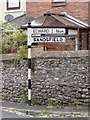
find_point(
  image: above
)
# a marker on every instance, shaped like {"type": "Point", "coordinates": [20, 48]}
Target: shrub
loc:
{"type": "Point", "coordinates": [12, 40]}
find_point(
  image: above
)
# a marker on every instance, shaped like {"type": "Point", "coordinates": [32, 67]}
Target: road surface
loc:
{"type": "Point", "coordinates": [6, 114]}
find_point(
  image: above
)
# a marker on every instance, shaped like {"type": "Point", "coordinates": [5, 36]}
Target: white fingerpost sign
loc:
{"type": "Point", "coordinates": [48, 30]}
{"type": "Point", "coordinates": [48, 35]}
{"type": "Point", "coordinates": [42, 35]}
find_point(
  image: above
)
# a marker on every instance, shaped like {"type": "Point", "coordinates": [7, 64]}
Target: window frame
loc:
{"type": "Point", "coordinates": [12, 8]}
{"type": "Point", "coordinates": [62, 1]}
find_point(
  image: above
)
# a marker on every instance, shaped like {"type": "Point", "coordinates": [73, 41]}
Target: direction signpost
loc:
{"type": "Point", "coordinates": [42, 35]}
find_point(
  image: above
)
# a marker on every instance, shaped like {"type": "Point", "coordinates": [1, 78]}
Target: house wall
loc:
{"type": "Point", "coordinates": [15, 13]}
{"type": "Point", "coordinates": [84, 40]}
{"type": "Point", "coordinates": [69, 44]}
{"type": "Point", "coordinates": [78, 10]}
{"type": "Point", "coordinates": [89, 12]}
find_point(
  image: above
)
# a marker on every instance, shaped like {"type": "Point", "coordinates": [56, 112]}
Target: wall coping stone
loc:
{"type": "Point", "coordinates": [50, 54]}
{"type": "Point", "coordinates": [58, 54]}
{"type": "Point", "coordinates": [11, 56]}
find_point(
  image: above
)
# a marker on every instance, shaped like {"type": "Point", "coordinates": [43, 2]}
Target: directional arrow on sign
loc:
{"type": "Point", "coordinates": [54, 35]}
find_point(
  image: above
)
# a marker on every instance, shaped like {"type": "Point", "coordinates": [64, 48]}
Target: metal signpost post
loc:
{"type": "Point", "coordinates": [29, 63]}
{"type": "Point", "coordinates": [42, 35]}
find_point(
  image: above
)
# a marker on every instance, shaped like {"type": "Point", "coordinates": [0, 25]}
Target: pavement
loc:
{"type": "Point", "coordinates": [38, 108]}
{"type": "Point", "coordinates": [11, 110]}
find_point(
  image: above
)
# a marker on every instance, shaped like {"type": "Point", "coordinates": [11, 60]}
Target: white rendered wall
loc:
{"type": "Point", "coordinates": [15, 13]}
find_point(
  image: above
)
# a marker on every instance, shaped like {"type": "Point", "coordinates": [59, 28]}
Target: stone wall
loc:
{"type": "Point", "coordinates": [60, 76]}
{"type": "Point", "coordinates": [14, 81]}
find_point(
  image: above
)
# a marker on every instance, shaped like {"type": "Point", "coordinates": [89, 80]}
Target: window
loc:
{"type": "Point", "coordinates": [13, 4]}
{"type": "Point", "coordinates": [58, 1]}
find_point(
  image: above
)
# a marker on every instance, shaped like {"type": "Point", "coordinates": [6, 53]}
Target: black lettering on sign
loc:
{"type": "Point", "coordinates": [40, 31]}
{"type": "Point", "coordinates": [59, 31]}
{"type": "Point", "coordinates": [49, 39]}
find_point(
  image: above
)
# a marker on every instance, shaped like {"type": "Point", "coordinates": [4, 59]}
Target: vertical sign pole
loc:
{"type": "Point", "coordinates": [29, 63]}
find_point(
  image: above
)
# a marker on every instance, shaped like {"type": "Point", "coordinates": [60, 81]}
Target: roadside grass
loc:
{"type": "Point", "coordinates": [73, 114]}
{"type": "Point", "coordinates": [43, 113]}
{"type": "Point", "coordinates": [34, 102]}
{"type": "Point", "coordinates": [24, 97]}
{"type": "Point", "coordinates": [53, 103]}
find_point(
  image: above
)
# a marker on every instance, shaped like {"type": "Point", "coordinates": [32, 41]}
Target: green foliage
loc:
{"type": "Point", "coordinates": [53, 103]}
{"type": "Point", "coordinates": [12, 40]}
{"type": "Point", "coordinates": [24, 98]}
{"type": "Point", "coordinates": [70, 114]}
{"type": "Point", "coordinates": [88, 113]}
{"type": "Point", "coordinates": [34, 102]}
{"type": "Point", "coordinates": [22, 52]}
{"type": "Point", "coordinates": [75, 106]}
{"type": "Point", "coordinates": [43, 113]}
